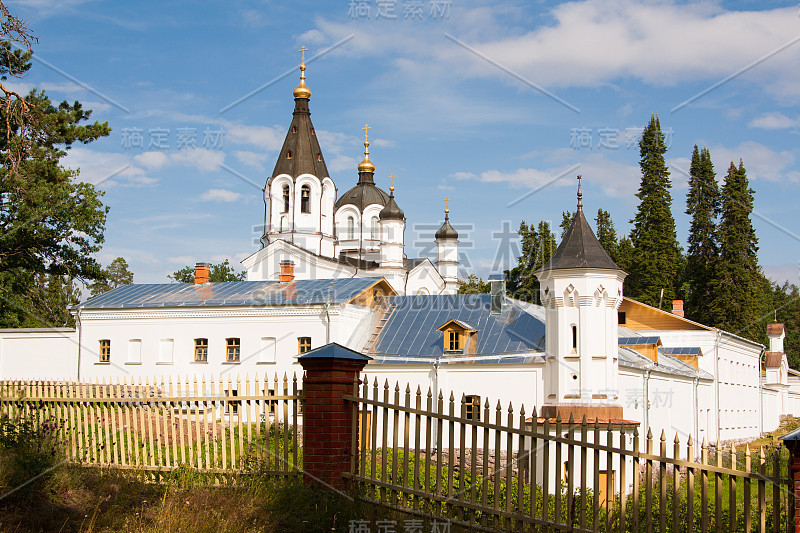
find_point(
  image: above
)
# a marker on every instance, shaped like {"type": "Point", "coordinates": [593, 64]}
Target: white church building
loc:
{"type": "Point", "coordinates": [332, 268]}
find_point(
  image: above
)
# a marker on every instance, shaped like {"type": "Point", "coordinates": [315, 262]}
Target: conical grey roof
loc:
{"type": "Point", "coordinates": [392, 211]}
{"type": "Point", "coordinates": [301, 153]}
{"type": "Point", "coordinates": [446, 231]}
{"type": "Point", "coordinates": [580, 248]}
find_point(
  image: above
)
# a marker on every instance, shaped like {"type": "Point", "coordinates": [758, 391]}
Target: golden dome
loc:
{"type": "Point", "coordinates": [302, 91]}
{"type": "Point", "coordinates": [366, 165]}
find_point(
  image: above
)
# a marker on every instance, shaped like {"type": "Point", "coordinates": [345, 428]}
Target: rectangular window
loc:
{"type": "Point", "coordinates": [105, 350]}
{"type": "Point", "coordinates": [201, 350]}
{"type": "Point", "coordinates": [135, 351]}
{"type": "Point", "coordinates": [303, 344]}
{"type": "Point", "coordinates": [454, 342]}
{"type": "Point", "coordinates": [472, 407]}
{"type": "Point", "coordinates": [621, 318]}
{"type": "Point", "coordinates": [232, 350]}
{"type": "Point", "coordinates": [165, 350]}
{"type": "Point", "coordinates": [268, 352]}
{"type": "Point", "coordinates": [574, 338]}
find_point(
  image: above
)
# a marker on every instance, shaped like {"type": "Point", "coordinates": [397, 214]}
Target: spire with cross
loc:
{"type": "Point", "coordinates": [580, 194]}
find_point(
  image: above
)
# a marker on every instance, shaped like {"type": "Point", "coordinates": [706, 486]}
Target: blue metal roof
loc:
{"type": "Point", "coordinates": [411, 328]}
{"type": "Point", "coordinates": [334, 351]}
{"type": "Point", "coordinates": [235, 293]}
{"type": "Point", "coordinates": [638, 341]}
{"type": "Point", "coordinates": [680, 351]}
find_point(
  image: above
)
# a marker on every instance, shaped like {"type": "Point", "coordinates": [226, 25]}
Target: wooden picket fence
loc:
{"type": "Point", "coordinates": [212, 425]}
{"type": "Point", "coordinates": [497, 469]}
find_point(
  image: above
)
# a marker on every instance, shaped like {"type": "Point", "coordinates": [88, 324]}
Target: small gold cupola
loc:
{"type": "Point", "coordinates": [302, 91]}
{"type": "Point", "coordinates": [366, 165]}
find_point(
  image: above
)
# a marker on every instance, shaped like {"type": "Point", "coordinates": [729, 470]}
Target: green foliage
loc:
{"type": "Point", "coordinates": [51, 223]}
{"type": "Point", "coordinates": [566, 221]}
{"type": "Point", "coordinates": [785, 302]}
{"type": "Point", "coordinates": [30, 451]}
{"type": "Point", "coordinates": [736, 287]}
{"type": "Point", "coordinates": [606, 234]}
{"type": "Point", "coordinates": [538, 245]}
{"type": "Point", "coordinates": [217, 273]}
{"type": "Point", "coordinates": [114, 275]}
{"type": "Point", "coordinates": [703, 205]}
{"type": "Point", "coordinates": [474, 285]}
{"type": "Point", "coordinates": [657, 255]}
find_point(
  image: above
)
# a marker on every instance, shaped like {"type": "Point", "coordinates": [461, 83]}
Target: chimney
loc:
{"type": "Point", "coordinates": [677, 307]}
{"type": "Point", "coordinates": [201, 273]}
{"type": "Point", "coordinates": [497, 284]}
{"type": "Point", "coordinates": [287, 271]}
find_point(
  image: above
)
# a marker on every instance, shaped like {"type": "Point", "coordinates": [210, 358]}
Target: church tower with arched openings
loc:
{"type": "Point", "coordinates": [581, 290]}
{"type": "Point", "coordinates": [300, 194]}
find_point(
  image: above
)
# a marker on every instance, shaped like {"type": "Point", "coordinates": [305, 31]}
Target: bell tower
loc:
{"type": "Point", "coordinates": [581, 290]}
{"type": "Point", "coordinates": [300, 194]}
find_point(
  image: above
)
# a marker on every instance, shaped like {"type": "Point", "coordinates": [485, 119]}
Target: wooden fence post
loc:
{"type": "Point", "coordinates": [327, 416]}
{"type": "Point", "coordinates": [792, 442]}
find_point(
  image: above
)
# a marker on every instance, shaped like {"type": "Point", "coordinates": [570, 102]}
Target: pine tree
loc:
{"type": "Point", "coordinates": [703, 205]}
{"type": "Point", "coordinates": [657, 255]}
{"type": "Point", "coordinates": [114, 275]}
{"type": "Point", "coordinates": [606, 234]}
{"type": "Point", "coordinates": [736, 302]}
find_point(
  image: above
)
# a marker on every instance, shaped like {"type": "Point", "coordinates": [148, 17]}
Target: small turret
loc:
{"type": "Point", "coordinates": [393, 223]}
{"type": "Point", "coordinates": [447, 252]}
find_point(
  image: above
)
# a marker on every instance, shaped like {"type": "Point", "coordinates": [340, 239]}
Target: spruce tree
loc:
{"type": "Point", "coordinates": [566, 221]}
{"type": "Point", "coordinates": [606, 234]}
{"type": "Point", "coordinates": [657, 255]}
{"type": "Point", "coordinates": [703, 205]}
{"type": "Point", "coordinates": [538, 244]}
{"type": "Point", "coordinates": [736, 301]}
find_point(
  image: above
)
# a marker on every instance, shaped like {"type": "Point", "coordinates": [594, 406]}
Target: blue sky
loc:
{"type": "Point", "coordinates": [496, 105]}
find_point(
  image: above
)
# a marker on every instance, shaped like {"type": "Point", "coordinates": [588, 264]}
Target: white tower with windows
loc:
{"type": "Point", "coordinates": [300, 194]}
{"type": "Point", "coordinates": [581, 290]}
{"type": "Point", "coordinates": [393, 225]}
{"type": "Point", "coordinates": [447, 253]}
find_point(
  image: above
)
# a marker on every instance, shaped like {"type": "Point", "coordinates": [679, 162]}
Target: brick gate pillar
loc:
{"type": "Point", "coordinates": [327, 416]}
{"type": "Point", "coordinates": [792, 442]}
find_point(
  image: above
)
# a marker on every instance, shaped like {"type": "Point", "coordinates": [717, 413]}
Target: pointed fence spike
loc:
{"type": "Point", "coordinates": [705, 442]}
{"type": "Point", "coordinates": [571, 419]}
{"type": "Point", "coordinates": [663, 436]}
{"type": "Point", "coordinates": [499, 407]}
{"type": "Point", "coordinates": [452, 397]}
{"type": "Point", "coordinates": [441, 397]}
{"type": "Point", "coordinates": [649, 433]}
{"type": "Point", "coordinates": [677, 440]}
{"type": "Point", "coordinates": [690, 442]}
{"type": "Point", "coordinates": [419, 390]}
{"type": "Point", "coordinates": [376, 382]}
{"type": "Point", "coordinates": [522, 410]}
{"type": "Point", "coordinates": [533, 413]}
{"type": "Point", "coordinates": [558, 418]}
{"type": "Point", "coordinates": [510, 408]}
{"type": "Point", "coordinates": [397, 386]}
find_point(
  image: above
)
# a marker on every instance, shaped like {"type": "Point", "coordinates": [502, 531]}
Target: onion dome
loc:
{"type": "Point", "coordinates": [446, 231]}
{"type": "Point", "coordinates": [301, 153]}
{"type": "Point", "coordinates": [392, 211]}
{"type": "Point", "coordinates": [365, 192]}
{"type": "Point", "coordinates": [580, 248]}
{"type": "Point", "coordinates": [301, 91]}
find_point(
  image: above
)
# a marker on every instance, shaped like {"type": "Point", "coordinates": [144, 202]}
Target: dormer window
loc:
{"type": "Point", "coordinates": [459, 337]}
{"type": "Point", "coordinates": [288, 154]}
{"type": "Point", "coordinates": [294, 129]}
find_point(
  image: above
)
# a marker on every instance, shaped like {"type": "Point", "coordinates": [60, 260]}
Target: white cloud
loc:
{"type": "Point", "coordinates": [252, 159]}
{"type": "Point", "coordinates": [106, 169]}
{"type": "Point", "coordinates": [593, 43]}
{"type": "Point", "coordinates": [760, 161]}
{"type": "Point", "coordinates": [202, 159]}
{"type": "Point", "coordinates": [152, 160]}
{"type": "Point", "coordinates": [616, 179]}
{"type": "Point", "coordinates": [264, 137]}
{"type": "Point", "coordinates": [220, 195]}
{"type": "Point", "coordinates": [773, 121]}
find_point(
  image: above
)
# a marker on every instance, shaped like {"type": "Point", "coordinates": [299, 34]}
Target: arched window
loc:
{"type": "Point", "coordinates": [351, 227]}
{"type": "Point", "coordinates": [285, 198]}
{"type": "Point", "coordinates": [374, 229]}
{"type": "Point", "coordinates": [305, 199]}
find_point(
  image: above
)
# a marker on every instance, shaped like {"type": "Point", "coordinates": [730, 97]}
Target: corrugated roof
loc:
{"type": "Point", "coordinates": [684, 350]}
{"type": "Point", "coordinates": [237, 293]}
{"type": "Point", "coordinates": [667, 364]}
{"type": "Point", "coordinates": [638, 341]}
{"type": "Point", "coordinates": [411, 328]}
